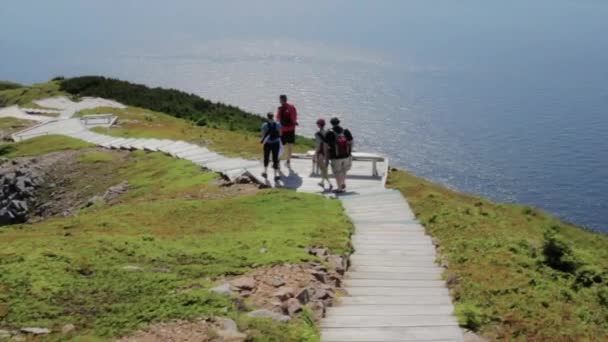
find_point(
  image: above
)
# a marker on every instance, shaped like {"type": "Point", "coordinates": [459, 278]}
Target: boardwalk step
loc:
{"type": "Point", "coordinates": [438, 333]}
{"type": "Point", "coordinates": [388, 321]}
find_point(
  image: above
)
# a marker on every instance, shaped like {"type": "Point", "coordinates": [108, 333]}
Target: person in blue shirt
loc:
{"type": "Point", "coordinates": [271, 139]}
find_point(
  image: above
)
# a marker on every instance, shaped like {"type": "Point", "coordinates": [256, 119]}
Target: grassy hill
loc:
{"type": "Point", "coordinates": [176, 225]}
{"type": "Point", "coordinates": [515, 272]}
{"type": "Point", "coordinates": [173, 102]}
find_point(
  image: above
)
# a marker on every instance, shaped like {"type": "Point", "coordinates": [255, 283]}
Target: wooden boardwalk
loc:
{"type": "Point", "coordinates": [395, 289]}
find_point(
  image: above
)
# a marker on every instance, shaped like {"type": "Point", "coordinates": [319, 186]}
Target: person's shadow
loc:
{"type": "Point", "coordinates": [291, 180]}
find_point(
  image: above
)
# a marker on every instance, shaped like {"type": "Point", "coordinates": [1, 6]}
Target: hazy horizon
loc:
{"type": "Point", "coordinates": [505, 100]}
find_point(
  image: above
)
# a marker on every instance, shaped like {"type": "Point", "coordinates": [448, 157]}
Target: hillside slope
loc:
{"type": "Point", "coordinates": [515, 272]}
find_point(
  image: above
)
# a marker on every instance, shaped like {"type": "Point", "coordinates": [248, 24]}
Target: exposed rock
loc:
{"type": "Point", "coordinates": [304, 296]}
{"type": "Point", "coordinates": [470, 336]}
{"type": "Point", "coordinates": [338, 263]}
{"type": "Point", "coordinates": [36, 331]}
{"type": "Point", "coordinates": [4, 334]}
{"type": "Point", "coordinates": [239, 304]}
{"type": "Point", "coordinates": [320, 276]}
{"type": "Point", "coordinates": [226, 324]}
{"type": "Point", "coordinates": [293, 306]}
{"type": "Point", "coordinates": [231, 336]}
{"type": "Point", "coordinates": [318, 308]}
{"type": "Point", "coordinates": [161, 270]}
{"type": "Point", "coordinates": [319, 252]}
{"type": "Point", "coordinates": [284, 293]}
{"type": "Point", "coordinates": [115, 191]}
{"type": "Point", "coordinates": [223, 289]}
{"type": "Point", "coordinates": [452, 280]}
{"type": "Point", "coordinates": [264, 313]}
{"type": "Point", "coordinates": [321, 294]}
{"type": "Point", "coordinates": [278, 282]}
{"type": "Point", "coordinates": [68, 328]}
{"type": "Point", "coordinates": [132, 268]}
{"type": "Point", "coordinates": [94, 200]}
{"type": "Point", "coordinates": [244, 283]}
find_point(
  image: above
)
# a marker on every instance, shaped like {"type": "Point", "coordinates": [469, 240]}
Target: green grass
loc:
{"type": "Point", "coordinates": [26, 95]}
{"type": "Point", "coordinates": [142, 123]}
{"type": "Point", "coordinates": [182, 229]}
{"type": "Point", "coordinates": [4, 85]}
{"type": "Point", "coordinates": [41, 145]}
{"type": "Point", "coordinates": [522, 274]}
{"type": "Point", "coordinates": [8, 124]}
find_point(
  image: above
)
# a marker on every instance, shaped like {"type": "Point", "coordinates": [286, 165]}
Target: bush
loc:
{"type": "Point", "coordinates": [58, 78]}
{"type": "Point", "coordinates": [5, 85]}
{"type": "Point", "coordinates": [589, 275]}
{"type": "Point", "coordinates": [471, 316]}
{"type": "Point", "coordinates": [558, 255]}
{"type": "Point", "coordinates": [173, 102]}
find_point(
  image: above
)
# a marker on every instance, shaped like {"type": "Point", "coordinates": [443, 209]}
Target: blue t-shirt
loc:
{"type": "Point", "coordinates": [265, 129]}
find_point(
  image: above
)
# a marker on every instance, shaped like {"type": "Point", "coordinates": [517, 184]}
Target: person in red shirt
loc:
{"type": "Point", "coordinates": [288, 118]}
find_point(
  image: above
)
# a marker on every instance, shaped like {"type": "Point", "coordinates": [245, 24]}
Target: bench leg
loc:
{"type": "Point", "coordinates": [374, 169]}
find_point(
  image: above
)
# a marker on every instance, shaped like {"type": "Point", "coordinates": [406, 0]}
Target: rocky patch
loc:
{"type": "Point", "coordinates": [282, 292]}
{"type": "Point", "coordinates": [19, 181]}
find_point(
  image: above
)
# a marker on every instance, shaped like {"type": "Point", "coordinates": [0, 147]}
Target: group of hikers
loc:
{"type": "Point", "coordinates": [332, 146]}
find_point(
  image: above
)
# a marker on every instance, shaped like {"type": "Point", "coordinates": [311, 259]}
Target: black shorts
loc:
{"type": "Point", "coordinates": [288, 137]}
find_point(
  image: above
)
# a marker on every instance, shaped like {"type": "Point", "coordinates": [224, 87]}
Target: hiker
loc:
{"type": "Point", "coordinates": [340, 145]}
{"type": "Point", "coordinates": [271, 139]}
{"type": "Point", "coordinates": [321, 154]}
{"type": "Point", "coordinates": [287, 116]}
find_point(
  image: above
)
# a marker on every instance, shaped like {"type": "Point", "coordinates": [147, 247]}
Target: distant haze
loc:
{"type": "Point", "coordinates": [508, 100]}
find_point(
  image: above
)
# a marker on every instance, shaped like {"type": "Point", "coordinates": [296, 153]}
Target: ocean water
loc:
{"type": "Point", "coordinates": [505, 100]}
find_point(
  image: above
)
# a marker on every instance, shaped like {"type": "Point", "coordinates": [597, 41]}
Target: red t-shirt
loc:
{"type": "Point", "coordinates": [290, 111]}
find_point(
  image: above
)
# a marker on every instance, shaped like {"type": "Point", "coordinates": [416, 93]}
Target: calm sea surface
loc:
{"type": "Point", "coordinates": [508, 100]}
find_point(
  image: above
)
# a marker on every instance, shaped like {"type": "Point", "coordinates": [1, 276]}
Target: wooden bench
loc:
{"type": "Point", "coordinates": [357, 156]}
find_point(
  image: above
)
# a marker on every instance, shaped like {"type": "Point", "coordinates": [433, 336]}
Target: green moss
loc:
{"type": "Point", "coordinates": [41, 145]}
{"type": "Point", "coordinates": [180, 229]}
{"type": "Point", "coordinates": [26, 95]}
{"type": "Point", "coordinates": [522, 274]}
{"type": "Point", "coordinates": [8, 124]}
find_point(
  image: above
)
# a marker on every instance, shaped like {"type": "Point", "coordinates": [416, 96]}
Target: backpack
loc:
{"type": "Point", "coordinates": [342, 145]}
{"type": "Point", "coordinates": [273, 131]}
{"type": "Point", "coordinates": [285, 116]}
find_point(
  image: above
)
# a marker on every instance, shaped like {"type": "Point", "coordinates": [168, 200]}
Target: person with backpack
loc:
{"type": "Point", "coordinates": [288, 118]}
{"type": "Point", "coordinates": [321, 154]}
{"type": "Point", "coordinates": [271, 139]}
{"type": "Point", "coordinates": [340, 145]}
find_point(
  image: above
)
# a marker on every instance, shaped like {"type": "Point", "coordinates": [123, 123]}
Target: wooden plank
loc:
{"type": "Point", "coordinates": [388, 321]}
{"type": "Point", "coordinates": [392, 275]}
{"type": "Point", "coordinates": [427, 333]}
{"type": "Point", "coordinates": [348, 283]}
{"type": "Point", "coordinates": [398, 269]}
{"type": "Point", "coordinates": [396, 300]}
{"type": "Point", "coordinates": [390, 310]}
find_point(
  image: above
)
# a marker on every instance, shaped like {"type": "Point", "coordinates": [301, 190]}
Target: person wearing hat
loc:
{"type": "Point", "coordinates": [340, 144]}
{"type": "Point", "coordinates": [321, 154]}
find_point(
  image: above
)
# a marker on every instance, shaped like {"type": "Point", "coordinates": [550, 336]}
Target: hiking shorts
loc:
{"type": "Point", "coordinates": [288, 137]}
{"type": "Point", "coordinates": [341, 166]}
